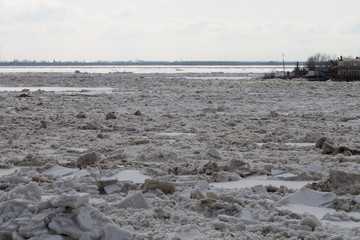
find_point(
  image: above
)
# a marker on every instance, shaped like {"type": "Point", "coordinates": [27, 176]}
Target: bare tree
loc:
{"type": "Point", "coordinates": [318, 61]}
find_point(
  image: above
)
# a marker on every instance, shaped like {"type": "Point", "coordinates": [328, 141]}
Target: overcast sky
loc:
{"type": "Point", "coordinates": [243, 30]}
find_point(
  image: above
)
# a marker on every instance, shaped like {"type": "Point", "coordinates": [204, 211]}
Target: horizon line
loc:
{"type": "Point", "coordinates": [142, 62]}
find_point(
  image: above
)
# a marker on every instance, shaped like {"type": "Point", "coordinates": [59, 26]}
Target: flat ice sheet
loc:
{"type": "Point", "coordinates": [354, 121]}
{"type": "Point", "coordinates": [301, 144]}
{"type": "Point", "coordinates": [319, 213]}
{"type": "Point", "coordinates": [59, 89]}
{"type": "Point", "coordinates": [260, 180]}
{"type": "Point", "coordinates": [130, 175]}
{"type": "Point", "coordinates": [59, 171]}
{"type": "Point", "coordinates": [7, 171]}
{"type": "Point", "coordinates": [175, 134]}
{"type": "Point", "coordinates": [291, 144]}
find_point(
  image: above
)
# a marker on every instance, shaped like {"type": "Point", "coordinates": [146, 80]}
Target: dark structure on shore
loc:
{"type": "Point", "coordinates": [349, 69]}
{"type": "Point", "coordinates": [341, 69]}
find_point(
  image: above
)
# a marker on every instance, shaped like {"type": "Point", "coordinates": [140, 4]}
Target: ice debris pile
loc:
{"type": "Point", "coordinates": [25, 214]}
{"type": "Point", "coordinates": [178, 156]}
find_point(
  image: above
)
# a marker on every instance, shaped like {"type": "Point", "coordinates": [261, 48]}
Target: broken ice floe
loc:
{"type": "Point", "coordinates": [325, 215]}
{"type": "Point", "coordinates": [317, 203]}
{"type": "Point", "coordinates": [309, 197]}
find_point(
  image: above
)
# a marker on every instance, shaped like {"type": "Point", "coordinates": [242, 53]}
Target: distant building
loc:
{"type": "Point", "coordinates": [349, 68]}
{"type": "Point", "coordinates": [321, 70]}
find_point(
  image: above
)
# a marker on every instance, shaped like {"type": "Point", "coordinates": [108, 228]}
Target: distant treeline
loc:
{"type": "Point", "coordinates": [144, 63]}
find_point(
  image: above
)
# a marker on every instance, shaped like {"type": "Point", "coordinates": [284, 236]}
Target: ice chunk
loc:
{"type": "Point", "coordinates": [8, 229]}
{"type": "Point", "coordinates": [299, 227]}
{"type": "Point", "coordinates": [29, 192]}
{"type": "Point", "coordinates": [112, 232]}
{"type": "Point", "coordinates": [202, 185]}
{"type": "Point", "coordinates": [188, 234]}
{"type": "Point", "coordinates": [357, 199]}
{"type": "Point", "coordinates": [309, 197]}
{"type": "Point", "coordinates": [275, 172]}
{"type": "Point", "coordinates": [82, 173]}
{"type": "Point", "coordinates": [73, 200]}
{"type": "Point", "coordinates": [16, 179]}
{"type": "Point", "coordinates": [317, 168]}
{"type": "Point", "coordinates": [260, 189]}
{"type": "Point", "coordinates": [52, 237]}
{"type": "Point", "coordinates": [111, 188]}
{"type": "Point", "coordinates": [135, 201]}
{"type": "Point", "coordinates": [283, 175]}
{"type": "Point", "coordinates": [215, 153]}
{"type": "Point", "coordinates": [227, 218]}
{"type": "Point", "coordinates": [84, 220]}
{"type": "Point", "coordinates": [249, 221]}
{"type": "Point", "coordinates": [340, 177]}
{"type": "Point", "coordinates": [129, 175]}
{"type": "Point", "coordinates": [210, 194]}
{"type": "Point", "coordinates": [196, 194]}
{"type": "Point", "coordinates": [85, 236]}
{"type": "Point", "coordinates": [310, 221]}
{"type": "Point", "coordinates": [226, 176]}
{"type": "Point", "coordinates": [286, 176]}
{"type": "Point", "coordinates": [68, 184]}
{"type": "Point", "coordinates": [64, 225]}
{"type": "Point", "coordinates": [27, 230]}
{"type": "Point", "coordinates": [7, 171]}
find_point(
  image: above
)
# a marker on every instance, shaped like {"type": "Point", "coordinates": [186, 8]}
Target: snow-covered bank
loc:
{"type": "Point", "coordinates": [165, 157]}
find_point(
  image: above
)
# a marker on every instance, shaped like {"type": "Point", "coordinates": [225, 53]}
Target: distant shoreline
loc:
{"type": "Point", "coordinates": [144, 63]}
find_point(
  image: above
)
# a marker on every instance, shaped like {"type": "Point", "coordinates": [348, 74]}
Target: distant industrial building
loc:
{"type": "Point", "coordinates": [349, 69]}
